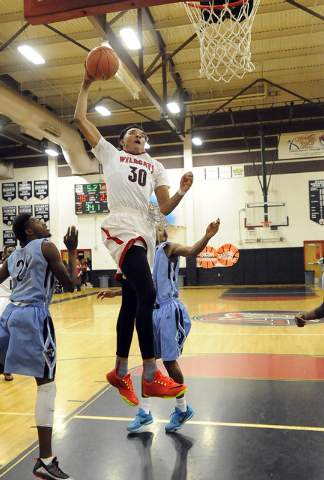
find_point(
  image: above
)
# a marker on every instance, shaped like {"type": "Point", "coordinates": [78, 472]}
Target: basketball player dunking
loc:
{"type": "Point", "coordinates": [132, 176]}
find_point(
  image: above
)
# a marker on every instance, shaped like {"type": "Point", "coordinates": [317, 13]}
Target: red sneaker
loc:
{"type": "Point", "coordinates": [125, 387]}
{"type": "Point", "coordinates": [163, 387]}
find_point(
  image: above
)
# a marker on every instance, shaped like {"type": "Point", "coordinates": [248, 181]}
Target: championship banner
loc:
{"type": "Point", "coordinates": [9, 239]}
{"type": "Point", "coordinates": [25, 209]}
{"type": "Point", "coordinates": [25, 190]}
{"type": "Point", "coordinates": [40, 189]}
{"type": "Point", "coordinates": [8, 215]}
{"type": "Point", "coordinates": [316, 201]}
{"type": "Point", "coordinates": [9, 191]}
{"type": "Point", "coordinates": [42, 212]}
{"type": "Point", "coordinates": [301, 145]}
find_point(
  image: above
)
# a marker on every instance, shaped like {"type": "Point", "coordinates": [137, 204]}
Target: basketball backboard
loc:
{"type": "Point", "coordinates": [39, 12]}
{"type": "Point", "coordinates": [256, 214]}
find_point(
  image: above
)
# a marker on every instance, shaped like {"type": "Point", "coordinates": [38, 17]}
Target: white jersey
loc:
{"type": "Point", "coordinates": [131, 179]}
{"type": "Point", "coordinates": [5, 290]}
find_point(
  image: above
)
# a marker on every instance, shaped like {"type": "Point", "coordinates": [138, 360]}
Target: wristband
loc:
{"type": "Point", "coordinates": [180, 192]}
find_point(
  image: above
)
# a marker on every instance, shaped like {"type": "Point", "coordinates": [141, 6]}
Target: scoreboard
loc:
{"type": "Point", "coordinates": [91, 198]}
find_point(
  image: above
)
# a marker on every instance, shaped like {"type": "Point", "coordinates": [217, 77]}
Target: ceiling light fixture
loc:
{"type": "Point", "coordinates": [51, 153]}
{"type": "Point", "coordinates": [196, 141]}
{"type": "Point", "coordinates": [130, 38]}
{"type": "Point", "coordinates": [102, 110]}
{"type": "Point", "coordinates": [173, 107]}
{"type": "Point", "coordinates": [147, 146]}
{"type": "Point", "coordinates": [31, 54]}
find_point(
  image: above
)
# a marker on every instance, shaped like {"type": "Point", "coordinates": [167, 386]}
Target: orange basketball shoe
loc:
{"type": "Point", "coordinates": [124, 386]}
{"type": "Point", "coordinates": [163, 387]}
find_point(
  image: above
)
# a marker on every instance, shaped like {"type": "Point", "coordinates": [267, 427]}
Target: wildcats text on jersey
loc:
{"type": "Point", "coordinates": [149, 166]}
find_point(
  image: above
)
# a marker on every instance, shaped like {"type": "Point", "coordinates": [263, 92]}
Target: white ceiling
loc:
{"type": "Point", "coordinates": [287, 50]}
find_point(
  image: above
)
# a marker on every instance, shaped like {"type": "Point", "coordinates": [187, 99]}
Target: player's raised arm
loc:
{"type": "Point", "coordinates": [90, 132]}
{"type": "Point", "coordinates": [66, 276]}
{"type": "Point", "coordinates": [177, 250]}
{"type": "Point", "coordinates": [167, 204]}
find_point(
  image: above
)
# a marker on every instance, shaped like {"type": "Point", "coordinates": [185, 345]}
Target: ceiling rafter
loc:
{"type": "Point", "coordinates": [105, 31]}
{"type": "Point", "coordinates": [308, 10]}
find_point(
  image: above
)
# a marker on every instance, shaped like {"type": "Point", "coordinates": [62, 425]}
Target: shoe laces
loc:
{"type": "Point", "coordinates": [55, 463]}
{"type": "Point", "coordinates": [143, 415]}
{"type": "Point", "coordinates": [127, 382]}
{"type": "Point", "coordinates": [174, 416]}
{"type": "Point", "coordinates": [163, 380]}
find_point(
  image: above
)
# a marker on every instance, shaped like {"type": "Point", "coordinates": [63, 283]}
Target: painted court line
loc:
{"type": "Point", "coordinates": [208, 423]}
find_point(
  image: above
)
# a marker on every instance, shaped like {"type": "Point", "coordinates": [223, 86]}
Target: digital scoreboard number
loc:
{"type": "Point", "coordinates": [91, 198]}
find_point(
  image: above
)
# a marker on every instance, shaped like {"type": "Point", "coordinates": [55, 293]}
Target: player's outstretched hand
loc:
{"type": "Point", "coordinates": [71, 238]}
{"type": "Point", "coordinates": [300, 320]}
{"type": "Point", "coordinates": [186, 181]}
{"type": "Point", "coordinates": [213, 228]}
{"type": "Point", "coordinates": [106, 294]}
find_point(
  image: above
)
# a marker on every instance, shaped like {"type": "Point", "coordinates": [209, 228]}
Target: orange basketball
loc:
{"type": "Point", "coordinates": [208, 257]}
{"type": "Point", "coordinates": [228, 255]}
{"type": "Point", "coordinates": [102, 63]}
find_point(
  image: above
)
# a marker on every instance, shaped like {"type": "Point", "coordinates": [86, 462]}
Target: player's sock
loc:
{"type": "Point", "coordinates": [47, 461]}
{"type": "Point", "coordinates": [146, 404]}
{"type": "Point", "coordinates": [182, 403]}
{"type": "Point", "coordinates": [121, 368]}
{"type": "Point", "coordinates": [149, 371]}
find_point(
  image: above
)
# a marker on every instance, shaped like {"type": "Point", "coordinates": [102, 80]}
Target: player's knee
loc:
{"type": "Point", "coordinates": [45, 404]}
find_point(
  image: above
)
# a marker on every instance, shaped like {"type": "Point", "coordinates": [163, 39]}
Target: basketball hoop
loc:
{"type": "Point", "coordinates": [266, 224]}
{"type": "Point", "coordinates": [224, 33]}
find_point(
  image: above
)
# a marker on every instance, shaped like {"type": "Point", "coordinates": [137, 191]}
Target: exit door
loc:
{"type": "Point", "coordinates": [313, 251]}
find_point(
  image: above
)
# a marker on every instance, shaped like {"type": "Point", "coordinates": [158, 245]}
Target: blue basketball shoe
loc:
{"type": "Point", "coordinates": [141, 419]}
{"type": "Point", "coordinates": [178, 419]}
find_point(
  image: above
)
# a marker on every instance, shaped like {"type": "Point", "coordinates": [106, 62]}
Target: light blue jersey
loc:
{"type": "Point", "coordinates": [32, 278]}
{"type": "Point", "coordinates": [165, 275]}
{"type": "Point", "coordinates": [171, 321]}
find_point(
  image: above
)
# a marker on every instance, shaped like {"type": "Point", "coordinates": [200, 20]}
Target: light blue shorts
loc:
{"type": "Point", "coordinates": [171, 325]}
{"type": "Point", "coordinates": [27, 341]}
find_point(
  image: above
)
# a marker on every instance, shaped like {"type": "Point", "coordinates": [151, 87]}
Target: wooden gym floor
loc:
{"type": "Point", "coordinates": [255, 381]}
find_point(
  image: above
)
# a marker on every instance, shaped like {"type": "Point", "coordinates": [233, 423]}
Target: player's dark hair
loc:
{"type": "Point", "coordinates": [19, 226]}
{"type": "Point", "coordinates": [123, 132]}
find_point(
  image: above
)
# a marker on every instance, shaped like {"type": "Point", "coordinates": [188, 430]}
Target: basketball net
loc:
{"type": "Point", "coordinates": [224, 36]}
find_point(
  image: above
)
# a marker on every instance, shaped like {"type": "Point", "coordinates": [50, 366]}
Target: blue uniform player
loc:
{"type": "Point", "coordinates": [171, 321]}
{"type": "Point", "coordinates": [27, 336]}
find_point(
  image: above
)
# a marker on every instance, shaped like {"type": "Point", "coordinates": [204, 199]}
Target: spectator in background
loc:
{"type": "Point", "coordinates": [88, 262]}
{"type": "Point", "coordinates": [79, 273]}
{"type": "Point", "coordinates": [84, 272]}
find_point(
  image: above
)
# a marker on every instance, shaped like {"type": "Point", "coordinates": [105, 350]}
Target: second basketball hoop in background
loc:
{"type": "Point", "coordinates": [102, 63]}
